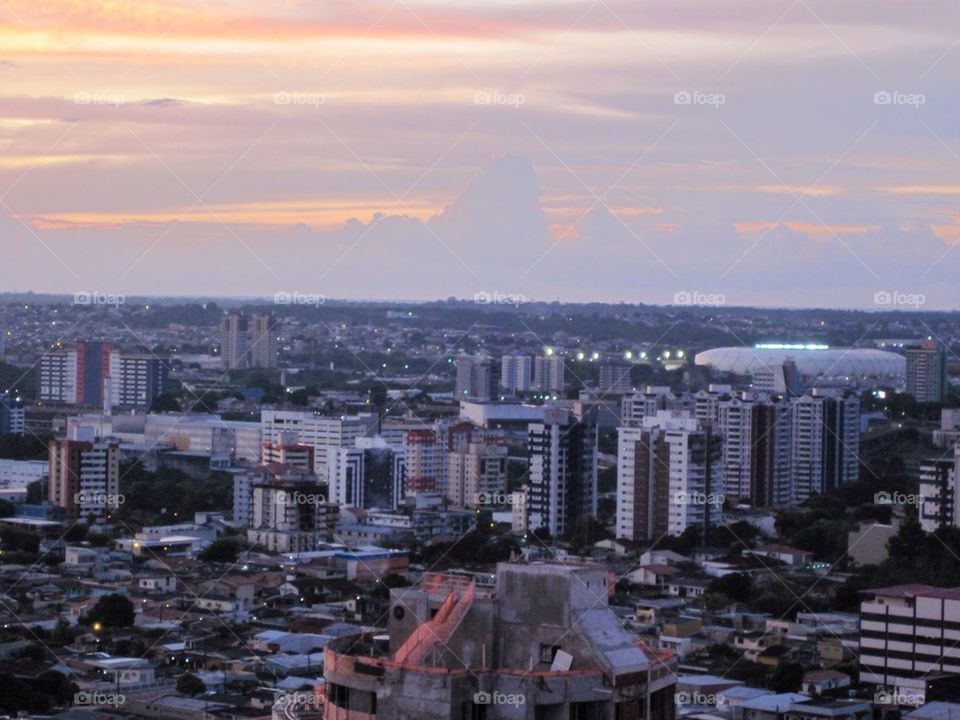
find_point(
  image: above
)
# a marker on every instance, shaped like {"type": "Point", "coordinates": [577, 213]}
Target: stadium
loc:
{"type": "Point", "coordinates": [811, 361]}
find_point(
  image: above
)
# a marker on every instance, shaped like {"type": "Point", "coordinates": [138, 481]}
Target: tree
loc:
{"type": "Point", "coordinates": [736, 586]}
{"type": "Point", "coordinates": [786, 677]}
{"type": "Point", "coordinates": [112, 611]}
{"type": "Point", "coordinates": [300, 398]}
{"type": "Point", "coordinates": [224, 550]}
{"type": "Point", "coordinates": [167, 402]}
{"type": "Point", "coordinates": [190, 684]}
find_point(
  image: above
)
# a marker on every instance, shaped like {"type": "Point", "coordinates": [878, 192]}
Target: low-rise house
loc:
{"type": "Point", "coordinates": [784, 553]}
{"type": "Point", "coordinates": [768, 707]}
{"type": "Point", "coordinates": [817, 683]}
{"type": "Point", "coordinates": [830, 710]}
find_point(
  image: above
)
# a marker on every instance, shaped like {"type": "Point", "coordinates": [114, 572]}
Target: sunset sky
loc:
{"type": "Point", "coordinates": [779, 152]}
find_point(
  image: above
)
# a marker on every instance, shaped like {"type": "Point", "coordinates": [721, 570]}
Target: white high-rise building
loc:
{"type": "Point", "coordinates": [57, 377]}
{"type": "Point", "coordinates": [937, 489]}
{"type": "Point", "coordinates": [756, 435]}
{"type": "Point", "coordinates": [233, 342]}
{"type": "Point", "coordinates": [548, 373]}
{"type": "Point", "coordinates": [477, 474]}
{"type": "Point", "coordinates": [262, 341]}
{"type": "Point", "coordinates": [371, 474]}
{"type": "Point", "coordinates": [825, 442]}
{"type": "Point", "coordinates": [475, 378]}
{"type": "Point", "coordinates": [324, 434]}
{"type": "Point", "coordinates": [563, 470]}
{"type": "Point", "coordinates": [516, 373]}
{"type": "Point", "coordinates": [669, 477]}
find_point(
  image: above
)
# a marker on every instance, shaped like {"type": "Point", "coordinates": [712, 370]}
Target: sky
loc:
{"type": "Point", "coordinates": [751, 152]}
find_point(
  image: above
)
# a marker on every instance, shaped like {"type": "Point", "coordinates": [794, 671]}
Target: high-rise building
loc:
{"type": "Point", "coordinates": [372, 474]}
{"type": "Point", "coordinates": [825, 443]}
{"type": "Point", "coordinates": [285, 509]}
{"type": "Point", "coordinates": [614, 377]}
{"type": "Point", "coordinates": [938, 493]}
{"type": "Point", "coordinates": [477, 474]}
{"type": "Point", "coordinates": [262, 341]}
{"type": "Point", "coordinates": [908, 640]}
{"type": "Point", "coordinates": [669, 477]}
{"type": "Point", "coordinates": [75, 376]}
{"type": "Point", "coordinates": [927, 372]}
{"type": "Point", "coordinates": [96, 375]}
{"type": "Point", "coordinates": [426, 456]}
{"type": "Point", "coordinates": [648, 402]}
{"type": "Point", "coordinates": [563, 470]}
{"type": "Point", "coordinates": [12, 416]}
{"type": "Point", "coordinates": [233, 342]}
{"type": "Point", "coordinates": [548, 373]}
{"type": "Point", "coordinates": [325, 434]}
{"type": "Point", "coordinates": [476, 379]}
{"type": "Point", "coordinates": [84, 477]}
{"type": "Point", "coordinates": [136, 380]}
{"type": "Point", "coordinates": [516, 373]}
{"type": "Point", "coordinates": [57, 377]}
{"type": "Point", "coordinates": [756, 437]}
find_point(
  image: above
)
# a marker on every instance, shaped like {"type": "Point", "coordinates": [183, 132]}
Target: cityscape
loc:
{"type": "Point", "coordinates": [504, 360]}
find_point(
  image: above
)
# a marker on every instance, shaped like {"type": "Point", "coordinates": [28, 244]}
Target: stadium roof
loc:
{"type": "Point", "coordinates": [811, 360]}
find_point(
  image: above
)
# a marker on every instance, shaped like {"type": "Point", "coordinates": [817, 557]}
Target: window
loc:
{"type": "Point", "coordinates": [548, 653]}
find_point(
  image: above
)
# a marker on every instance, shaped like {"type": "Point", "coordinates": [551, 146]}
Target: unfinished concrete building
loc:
{"type": "Point", "coordinates": [537, 642]}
